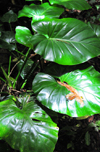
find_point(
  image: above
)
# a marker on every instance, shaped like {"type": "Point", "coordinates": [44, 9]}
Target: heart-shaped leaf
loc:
{"type": "Point", "coordinates": [9, 17]}
{"type": "Point", "coordinates": [38, 12]}
{"type": "Point", "coordinates": [72, 4]}
{"type": "Point", "coordinates": [6, 40]}
{"type": "Point", "coordinates": [65, 41]}
{"type": "Point", "coordinates": [79, 96]}
{"type": "Point", "coordinates": [24, 36]}
{"type": "Point", "coordinates": [27, 129]}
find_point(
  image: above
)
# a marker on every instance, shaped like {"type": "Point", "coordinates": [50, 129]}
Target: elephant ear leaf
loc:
{"type": "Point", "coordinates": [76, 93]}
{"type": "Point", "coordinates": [38, 12]}
{"type": "Point", "coordinates": [27, 129]}
{"type": "Point", "coordinates": [64, 41]}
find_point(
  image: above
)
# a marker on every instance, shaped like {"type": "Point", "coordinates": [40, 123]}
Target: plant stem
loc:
{"type": "Point", "coordinates": [3, 79]}
{"type": "Point", "coordinates": [9, 65]}
{"type": "Point", "coordinates": [22, 67]}
{"type": "Point", "coordinates": [28, 75]}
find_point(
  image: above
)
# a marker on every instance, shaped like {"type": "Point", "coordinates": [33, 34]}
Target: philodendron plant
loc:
{"type": "Point", "coordinates": [66, 42]}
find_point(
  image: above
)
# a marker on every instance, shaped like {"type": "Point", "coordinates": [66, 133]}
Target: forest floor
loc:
{"type": "Point", "coordinates": [74, 135]}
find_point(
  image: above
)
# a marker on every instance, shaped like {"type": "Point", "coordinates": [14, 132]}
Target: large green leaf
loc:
{"type": "Point", "coordinates": [53, 95]}
{"type": "Point", "coordinates": [24, 36]}
{"type": "Point", "coordinates": [65, 41]}
{"type": "Point", "coordinates": [38, 12]}
{"type": "Point", "coordinates": [72, 4]}
{"type": "Point", "coordinates": [27, 129]}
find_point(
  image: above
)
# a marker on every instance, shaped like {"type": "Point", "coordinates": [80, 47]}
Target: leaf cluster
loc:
{"type": "Point", "coordinates": [55, 48]}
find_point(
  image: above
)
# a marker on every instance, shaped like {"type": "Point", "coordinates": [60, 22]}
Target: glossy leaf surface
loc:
{"type": "Point", "coordinates": [72, 4]}
{"type": "Point", "coordinates": [38, 12]}
{"type": "Point", "coordinates": [65, 41]}
{"type": "Point", "coordinates": [95, 28]}
{"type": "Point", "coordinates": [53, 95]}
{"type": "Point", "coordinates": [24, 36]}
{"type": "Point", "coordinates": [27, 129]}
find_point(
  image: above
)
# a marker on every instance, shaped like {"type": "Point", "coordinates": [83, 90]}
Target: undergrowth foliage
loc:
{"type": "Point", "coordinates": [57, 47]}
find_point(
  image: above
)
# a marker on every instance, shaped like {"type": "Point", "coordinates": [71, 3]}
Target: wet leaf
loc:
{"type": "Point", "coordinates": [23, 35]}
{"type": "Point", "coordinates": [38, 12]}
{"type": "Point", "coordinates": [65, 41]}
{"type": "Point", "coordinates": [27, 129]}
{"type": "Point", "coordinates": [53, 95]}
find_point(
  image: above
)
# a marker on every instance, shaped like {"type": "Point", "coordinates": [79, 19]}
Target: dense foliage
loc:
{"type": "Point", "coordinates": [53, 46]}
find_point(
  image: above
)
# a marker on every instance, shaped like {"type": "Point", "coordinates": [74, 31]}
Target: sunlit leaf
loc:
{"type": "Point", "coordinates": [38, 12]}
{"type": "Point", "coordinates": [53, 95]}
{"type": "Point", "coordinates": [24, 36]}
{"type": "Point", "coordinates": [27, 129]}
{"type": "Point", "coordinates": [65, 41]}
